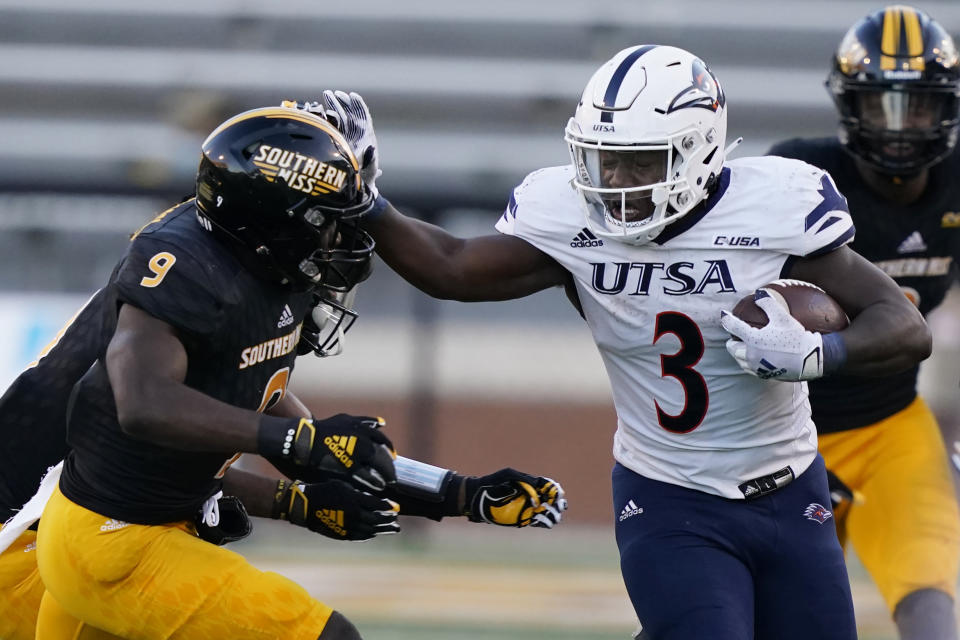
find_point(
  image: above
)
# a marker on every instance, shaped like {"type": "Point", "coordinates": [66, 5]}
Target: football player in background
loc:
{"type": "Point", "coordinates": [174, 388]}
{"type": "Point", "coordinates": [719, 494]}
{"type": "Point", "coordinates": [896, 83]}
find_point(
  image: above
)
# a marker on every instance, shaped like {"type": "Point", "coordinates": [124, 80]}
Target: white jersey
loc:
{"type": "Point", "coordinates": [687, 413]}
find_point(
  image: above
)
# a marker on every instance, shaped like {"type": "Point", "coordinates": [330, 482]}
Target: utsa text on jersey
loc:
{"type": "Point", "coordinates": [714, 272]}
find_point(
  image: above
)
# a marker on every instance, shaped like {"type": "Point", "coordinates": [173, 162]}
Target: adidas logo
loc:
{"type": "Point", "coordinates": [586, 239]}
{"type": "Point", "coordinates": [333, 519]}
{"type": "Point", "coordinates": [113, 525]}
{"type": "Point", "coordinates": [286, 317]}
{"type": "Point", "coordinates": [630, 510]}
{"type": "Point", "coordinates": [913, 244]}
{"type": "Point", "coordinates": [342, 448]}
{"type": "Point", "coordinates": [204, 221]}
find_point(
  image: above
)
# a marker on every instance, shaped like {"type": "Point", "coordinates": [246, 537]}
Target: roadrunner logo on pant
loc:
{"type": "Point", "coordinates": [817, 513]}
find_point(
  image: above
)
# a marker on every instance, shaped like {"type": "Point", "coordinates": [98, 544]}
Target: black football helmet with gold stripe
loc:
{"type": "Point", "coordinates": [896, 82]}
{"type": "Point", "coordinates": [282, 188]}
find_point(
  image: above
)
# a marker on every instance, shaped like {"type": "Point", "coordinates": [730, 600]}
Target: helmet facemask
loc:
{"type": "Point", "coordinates": [342, 257]}
{"type": "Point", "coordinates": [634, 190]}
{"type": "Point", "coordinates": [897, 129]}
{"type": "Point", "coordinates": [330, 319]}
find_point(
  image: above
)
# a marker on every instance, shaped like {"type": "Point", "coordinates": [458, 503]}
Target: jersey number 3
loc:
{"type": "Point", "coordinates": [679, 365]}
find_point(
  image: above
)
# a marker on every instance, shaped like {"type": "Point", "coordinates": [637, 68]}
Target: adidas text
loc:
{"type": "Point", "coordinates": [630, 510]}
{"type": "Point", "coordinates": [338, 452]}
{"type": "Point", "coordinates": [331, 523]}
{"type": "Point", "coordinates": [113, 525]}
{"type": "Point", "coordinates": [585, 239]}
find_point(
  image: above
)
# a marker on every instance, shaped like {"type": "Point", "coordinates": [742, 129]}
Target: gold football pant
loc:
{"type": "Point", "coordinates": [907, 530]}
{"type": "Point", "coordinates": [159, 582]}
{"type": "Point", "coordinates": [20, 588]}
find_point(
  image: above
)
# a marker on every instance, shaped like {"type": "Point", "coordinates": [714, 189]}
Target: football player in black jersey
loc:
{"type": "Point", "coordinates": [896, 83]}
{"type": "Point", "coordinates": [33, 429]}
{"type": "Point", "coordinates": [202, 318]}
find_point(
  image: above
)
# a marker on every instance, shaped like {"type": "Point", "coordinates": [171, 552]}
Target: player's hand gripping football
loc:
{"type": "Point", "coordinates": [335, 509]}
{"type": "Point", "coordinates": [352, 447]}
{"type": "Point", "coordinates": [510, 498]}
{"type": "Point", "coordinates": [781, 350]}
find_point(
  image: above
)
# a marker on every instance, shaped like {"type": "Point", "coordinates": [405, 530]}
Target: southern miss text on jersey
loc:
{"type": "Point", "coordinates": [687, 414]}
{"type": "Point", "coordinates": [918, 245]}
{"type": "Point", "coordinates": [33, 409]}
{"type": "Point", "coordinates": [240, 334]}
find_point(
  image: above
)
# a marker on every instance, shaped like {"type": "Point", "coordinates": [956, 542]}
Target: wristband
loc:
{"type": "Point", "coordinates": [379, 205]}
{"type": "Point", "coordinates": [834, 352]}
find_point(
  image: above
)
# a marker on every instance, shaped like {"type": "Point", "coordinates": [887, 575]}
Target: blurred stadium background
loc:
{"type": "Point", "coordinates": [103, 106]}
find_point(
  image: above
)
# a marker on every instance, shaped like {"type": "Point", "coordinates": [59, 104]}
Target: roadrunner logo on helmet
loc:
{"type": "Point", "coordinates": [647, 141]}
{"type": "Point", "coordinates": [282, 189]}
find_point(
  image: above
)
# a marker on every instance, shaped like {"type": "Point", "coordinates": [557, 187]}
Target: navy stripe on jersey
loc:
{"type": "Point", "coordinates": [511, 211]}
{"type": "Point", "coordinates": [836, 244]}
{"type": "Point", "coordinates": [832, 201]}
{"type": "Point", "coordinates": [610, 96]}
{"type": "Point", "coordinates": [671, 231]}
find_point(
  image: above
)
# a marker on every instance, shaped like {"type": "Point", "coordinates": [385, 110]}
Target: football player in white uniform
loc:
{"type": "Point", "coordinates": [721, 504]}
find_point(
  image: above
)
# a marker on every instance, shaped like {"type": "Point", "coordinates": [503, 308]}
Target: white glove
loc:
{"type": "Point", "coordinates": [781, 350]}
{"type": "Point", "coordinates": [350, 115]}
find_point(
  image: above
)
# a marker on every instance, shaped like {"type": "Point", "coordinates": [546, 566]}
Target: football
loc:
{"type": "Point", "coordinates": [808, 303]}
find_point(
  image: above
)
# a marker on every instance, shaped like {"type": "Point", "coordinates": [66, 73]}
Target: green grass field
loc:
{"type": "Point", "coordinates": [458, 581]}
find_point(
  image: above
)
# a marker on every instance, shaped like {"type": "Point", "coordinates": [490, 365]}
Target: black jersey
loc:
{"type": "Point", "coordinates": [918, 245]}
{"type": "Point", "coordinates": [33, 408]}
{"type": "Point", "coordinates": [240, 334]}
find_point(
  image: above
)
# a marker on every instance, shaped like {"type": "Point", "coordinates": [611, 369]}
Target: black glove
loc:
{"type": "Point", "coordinates": [349, 446]}
{"type": "Point", "coordinates": [842, 497]}
{"type": "Point", "coordinates": [510, 498]}
{"type": "Point", "coordinates": [233, 523]}
{"type": "Point", "coordinates": [335, 509]}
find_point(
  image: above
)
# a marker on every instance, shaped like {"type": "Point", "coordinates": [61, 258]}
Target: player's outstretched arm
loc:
{"type": "Point", "coordinates": [492, 267]}
{"type": "Point", "coordinates": [147, 366]}
{"type": "Point", "coordinates": [887, 333]}
{"type": "Point", "coordinates": [507, 497]}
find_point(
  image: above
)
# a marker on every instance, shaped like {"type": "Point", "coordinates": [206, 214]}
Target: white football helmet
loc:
{"type": "Point", "coordinates": [647, 141]}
